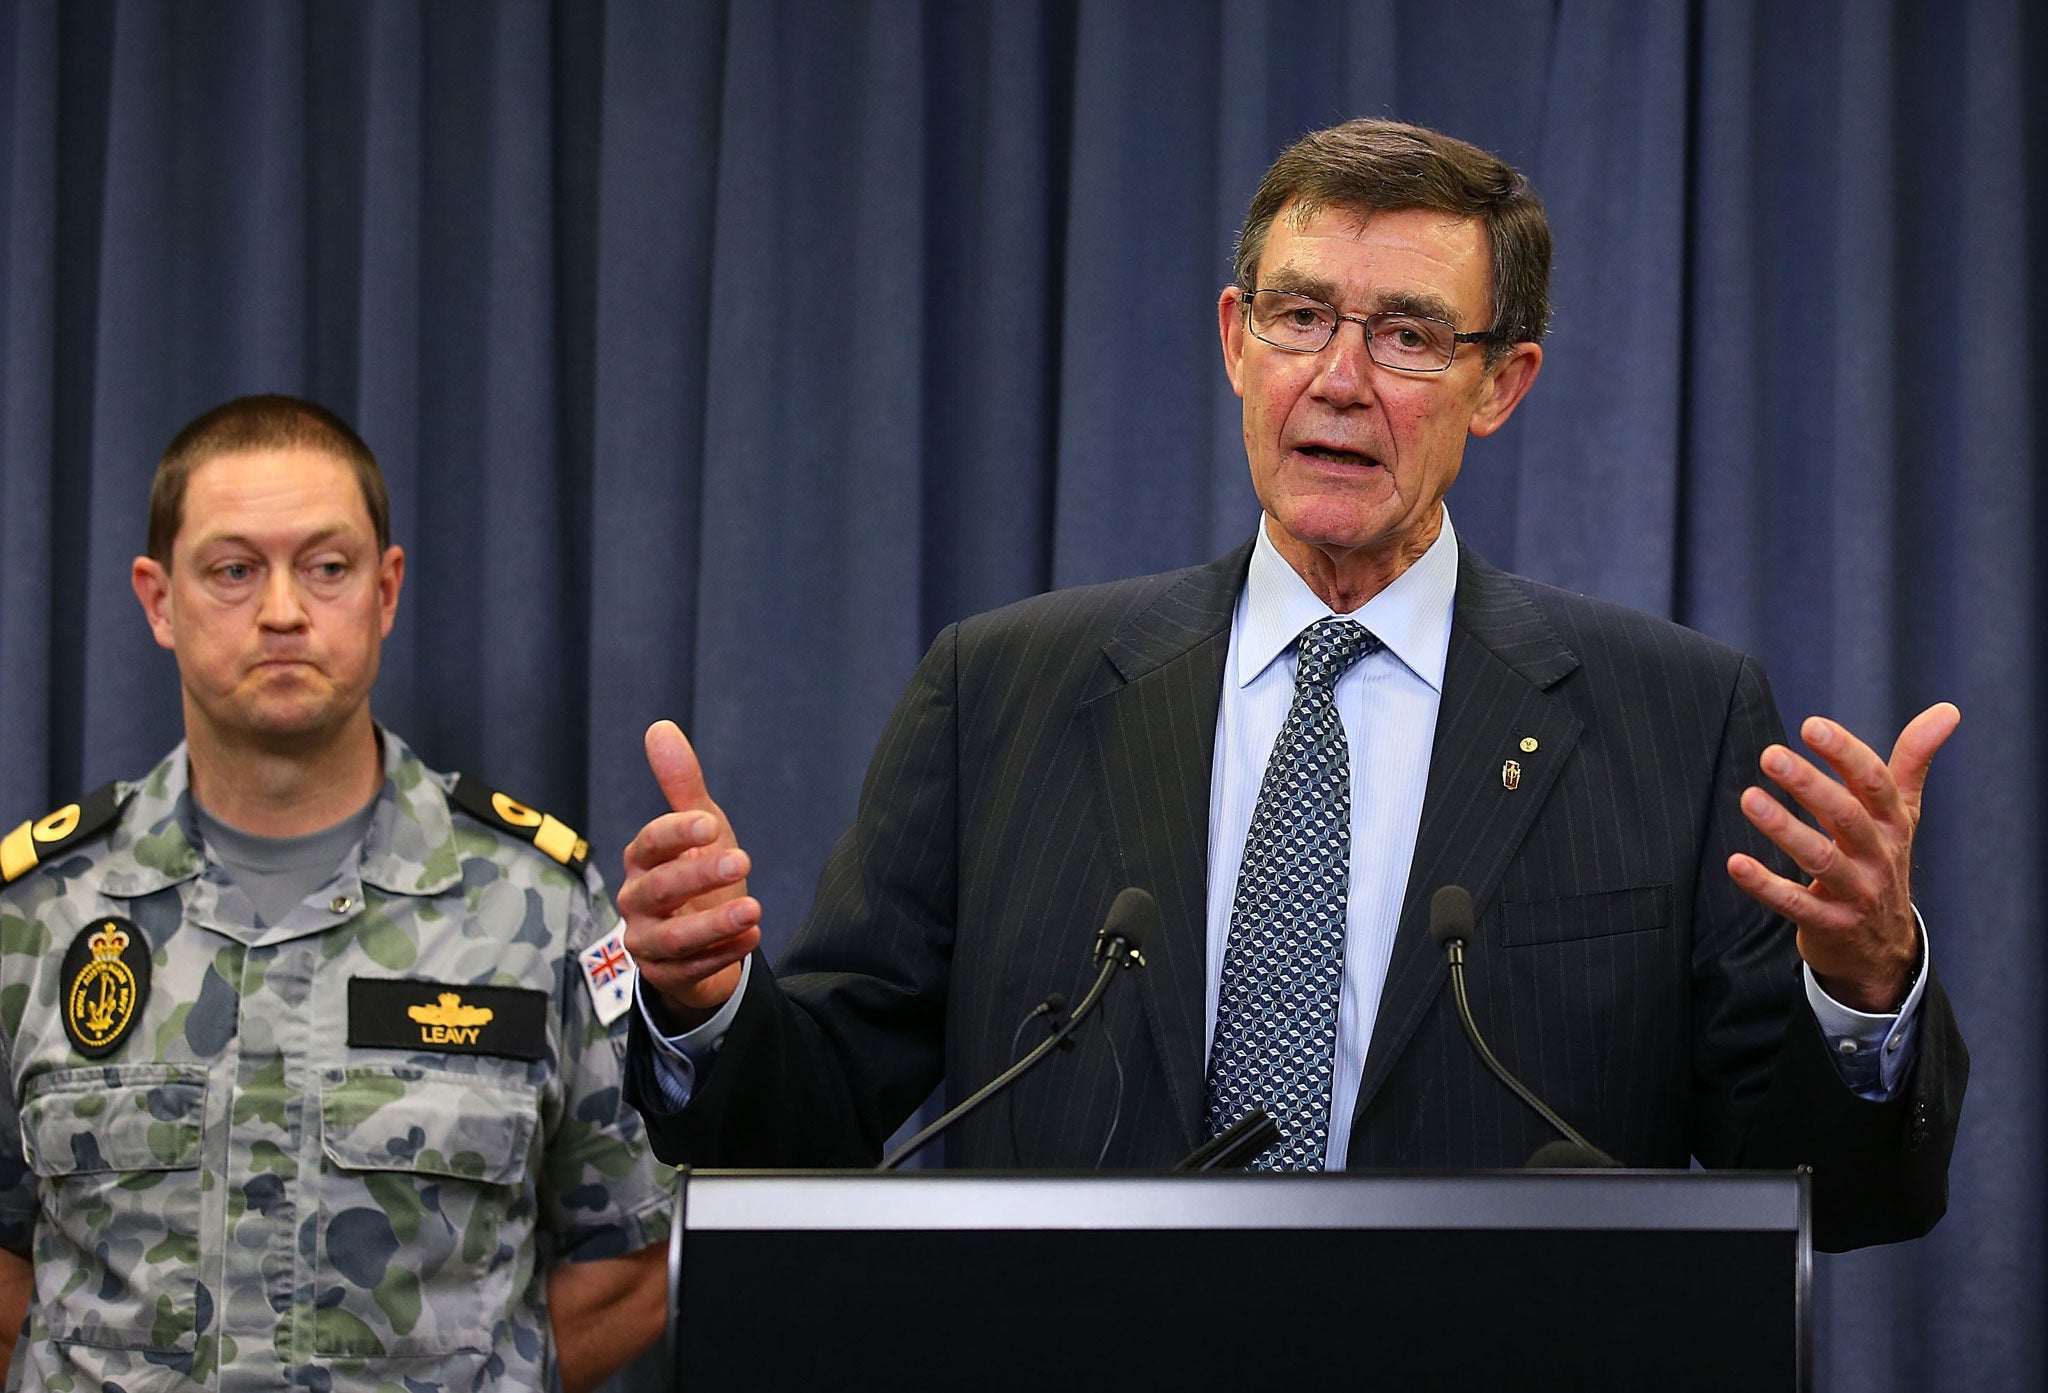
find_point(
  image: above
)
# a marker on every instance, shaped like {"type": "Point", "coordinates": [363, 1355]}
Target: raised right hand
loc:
{"type": "Point", "coordinates": [689, 920]}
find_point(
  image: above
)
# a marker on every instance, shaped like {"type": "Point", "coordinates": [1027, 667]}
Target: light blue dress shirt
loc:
{"type": "Point", "coordinates": [1388, 703]}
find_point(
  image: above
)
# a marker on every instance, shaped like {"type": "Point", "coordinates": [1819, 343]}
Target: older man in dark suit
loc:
{"type": "Point", "coordinates": [1292, 748]}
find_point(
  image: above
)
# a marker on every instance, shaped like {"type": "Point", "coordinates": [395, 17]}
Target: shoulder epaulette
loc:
{"type": "Point", "coordinates": [35, 842]}
{"type": "Point", "coordinates": [547, 832]}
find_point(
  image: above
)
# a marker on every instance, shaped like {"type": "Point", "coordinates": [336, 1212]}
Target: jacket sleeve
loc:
{"type": "Point", "coordinates": [1880, 1169]}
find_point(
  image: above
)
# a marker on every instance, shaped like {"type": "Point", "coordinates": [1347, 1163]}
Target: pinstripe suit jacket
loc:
{"type": "Point", "coordinates": [1050, 753]}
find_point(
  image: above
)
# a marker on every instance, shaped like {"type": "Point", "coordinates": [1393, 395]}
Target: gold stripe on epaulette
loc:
{"type": "Point", "coordinates": [23, 849]}
{"type": "Point", "coordinates": [556, 838]}
{"type": "Point", "coordinates": [17, 854]}
{"type": "Point", "coordinates": [550, 836]}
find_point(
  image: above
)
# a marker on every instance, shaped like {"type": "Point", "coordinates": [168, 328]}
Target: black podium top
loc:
{"type": "Point", "coordinates": [1517, 1280]}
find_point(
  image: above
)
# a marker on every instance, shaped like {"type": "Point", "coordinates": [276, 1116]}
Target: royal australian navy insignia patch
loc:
{"type": "Point", "coordinates": [106, 985]}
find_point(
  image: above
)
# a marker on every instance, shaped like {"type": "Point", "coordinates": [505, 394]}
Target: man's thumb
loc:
{"type": "Point", "coordinates": [675, 767]}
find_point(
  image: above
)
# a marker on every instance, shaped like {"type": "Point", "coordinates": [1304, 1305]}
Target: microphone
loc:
{"type": "Point", "coordinates": [1235, 1146]}
{"type": "Point", "coordinates": [1132, 916]}
{"type": "Point", "coordinates": [1051, 1006]}
{"type": "Point", "coordinates": [1450, 924]}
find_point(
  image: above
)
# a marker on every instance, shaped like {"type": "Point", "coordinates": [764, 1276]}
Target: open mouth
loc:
{"type": "Point", "coordinates": [1331, 455]}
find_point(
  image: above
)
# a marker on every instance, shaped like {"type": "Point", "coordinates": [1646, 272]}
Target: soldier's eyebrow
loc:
{"type": "Point", "coordinates": [218, 541]}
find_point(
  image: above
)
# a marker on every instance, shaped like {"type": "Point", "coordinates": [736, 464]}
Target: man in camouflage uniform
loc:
{"type": "Point", "coordinates": [311, 1056]}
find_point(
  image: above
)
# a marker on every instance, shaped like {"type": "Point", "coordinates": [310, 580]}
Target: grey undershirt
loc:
{"type": "Point", "coordinates": [277, 873]}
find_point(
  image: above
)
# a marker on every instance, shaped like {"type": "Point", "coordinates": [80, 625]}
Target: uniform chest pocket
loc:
{"type": "Point", "coordinates": [117, 1248]}
{"type": "Point", "coordinates": [426, 1213]}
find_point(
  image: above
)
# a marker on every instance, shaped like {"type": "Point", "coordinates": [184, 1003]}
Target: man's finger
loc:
{"type": "Point", "coordinates": [1923, 736]}
{"type": "Point", "coordinates": [714, 875]}
{"type": "Point", "coordinates": [1856, 764]}
{"type": "Point", "coordinates": [672, 835]}
{"type": "Point", "coordinates": [1843, 814]}
{"type": "Point", "coordinates": [1813, 852]}
{"type": "Point", "coordinates": [675, 767]}
{"type": "Point", "coordinates": [1772, 890]}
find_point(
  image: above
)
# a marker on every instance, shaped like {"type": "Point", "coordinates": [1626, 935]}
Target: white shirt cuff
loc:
{"type": "Point", "coordinates": [1873, 1052]}
{"type": "Point", "coordinates": [678, 1058]}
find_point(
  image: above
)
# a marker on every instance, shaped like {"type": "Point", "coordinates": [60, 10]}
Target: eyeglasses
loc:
{"type": "Point", "coordinates": [1403, 342]}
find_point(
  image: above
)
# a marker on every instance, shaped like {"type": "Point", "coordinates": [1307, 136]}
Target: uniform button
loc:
{"type": "Point", "coordinates": [1846, 1047]}
{"type": "Point", "coordinates": [340, 904]}
{"type": "Point", "coordinates": [1891, 1046]}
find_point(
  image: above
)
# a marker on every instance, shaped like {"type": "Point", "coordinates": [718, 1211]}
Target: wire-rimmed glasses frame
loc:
{"type": "Point", "coordinates": [1416, 343]}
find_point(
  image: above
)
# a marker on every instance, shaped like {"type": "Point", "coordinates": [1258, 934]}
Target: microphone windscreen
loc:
{"type": "Point", "coordinates": [1133, 916]}
{"type": "Point", "coordinates": [1450, 915]}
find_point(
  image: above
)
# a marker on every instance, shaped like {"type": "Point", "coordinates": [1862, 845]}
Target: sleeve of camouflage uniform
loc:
{"type": "Point", "coordinates": [605, 1195]}
{"type": "Point", "coordinates": [20, 943]}
{"type": "Point", "coordinates": [17, 1181]}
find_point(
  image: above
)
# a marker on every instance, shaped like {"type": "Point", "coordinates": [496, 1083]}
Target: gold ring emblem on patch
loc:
{"type": "Point", "coordinates": [106, 983]}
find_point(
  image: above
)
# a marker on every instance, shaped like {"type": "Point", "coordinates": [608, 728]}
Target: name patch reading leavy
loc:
{"type": "Point", "coordinates": [410, 1013]}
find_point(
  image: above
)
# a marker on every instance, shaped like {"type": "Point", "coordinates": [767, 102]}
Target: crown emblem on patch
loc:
{"type": "Point", "coordinates": [108, 943]}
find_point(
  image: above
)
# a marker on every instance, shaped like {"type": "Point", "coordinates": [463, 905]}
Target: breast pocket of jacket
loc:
{"type": "Point", "coordinates": [117, 1252]}
{"type": "Point", "coordinates": [426, 1216]}
{"type": "Point", "coordinates": [1571, 918]}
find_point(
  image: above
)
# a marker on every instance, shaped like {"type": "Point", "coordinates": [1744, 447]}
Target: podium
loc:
{"type": "Point", "coordinates": [973, 1280]}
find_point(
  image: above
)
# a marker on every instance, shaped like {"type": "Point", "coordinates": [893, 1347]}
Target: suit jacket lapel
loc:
{"type": "Point", "coordinates": [1155, 734]}
{"type": "Point", "coordinates": [1503, 658]}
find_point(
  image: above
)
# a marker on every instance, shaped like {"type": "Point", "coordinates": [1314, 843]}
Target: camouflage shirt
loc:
{"type": "Point", "coordinates": [335, 1153]}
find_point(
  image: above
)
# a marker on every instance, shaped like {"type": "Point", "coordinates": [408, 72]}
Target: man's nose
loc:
{"type": "Point", "coordinates": [283, 607]}
{"type": "Point", "coordinates": [1344, 369]}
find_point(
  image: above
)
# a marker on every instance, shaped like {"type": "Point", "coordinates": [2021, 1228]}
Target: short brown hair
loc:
{"type": "Point", "coordinates": [268, 422]}
{"type": "Point", "coordinates": [1374, 165]}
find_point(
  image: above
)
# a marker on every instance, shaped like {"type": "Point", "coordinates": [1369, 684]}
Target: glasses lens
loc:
{"type": "Point", "coordinates": [1292, 322]}
{"type": "Point", "coordinates": [1410, 342]}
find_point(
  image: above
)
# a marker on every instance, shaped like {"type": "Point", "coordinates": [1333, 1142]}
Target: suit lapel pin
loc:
{"type": "Point", "coordinates": [1511, 775]}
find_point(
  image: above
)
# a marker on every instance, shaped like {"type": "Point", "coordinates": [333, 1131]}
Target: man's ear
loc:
{"type": "Point", "coordinates": [1230, 327]}
{"type": "Point", "coordinates": [152, 586]}
{"type": "Point", "coordinates": [390, 580]}
{"type": "Point", "coordinates": [1507, 382]}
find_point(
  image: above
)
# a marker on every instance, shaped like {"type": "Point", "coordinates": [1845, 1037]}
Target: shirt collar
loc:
{"type": "Point", "coordinates": [1412, 616]}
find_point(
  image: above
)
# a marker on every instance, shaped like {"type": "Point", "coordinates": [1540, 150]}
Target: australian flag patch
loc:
{"type": "Point", "coordinates": [609, 973]}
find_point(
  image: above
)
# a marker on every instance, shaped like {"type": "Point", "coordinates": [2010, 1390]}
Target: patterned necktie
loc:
{"type": "Point", "coordinates": [1276, 1013]}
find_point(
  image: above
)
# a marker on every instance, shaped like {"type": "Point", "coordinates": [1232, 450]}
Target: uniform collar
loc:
{"type": "Point", "coordinates": [409, 848]}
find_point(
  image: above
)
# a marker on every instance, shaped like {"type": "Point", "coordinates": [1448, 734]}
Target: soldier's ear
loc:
{"type": "Point", "coordinates": [390, 580]}
{"type": "Point", "coordinates": [151, 582]}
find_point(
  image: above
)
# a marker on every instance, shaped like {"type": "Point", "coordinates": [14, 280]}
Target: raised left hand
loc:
{"type": "Point", "coordinates": [1855, 916]}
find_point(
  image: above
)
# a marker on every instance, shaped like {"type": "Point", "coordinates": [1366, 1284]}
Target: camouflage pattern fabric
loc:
{"type": "Point", "coordinates": [236, 1198]}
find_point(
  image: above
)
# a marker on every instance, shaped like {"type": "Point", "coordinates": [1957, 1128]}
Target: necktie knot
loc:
{"type": "Point", "coordinates": [1327, 649]}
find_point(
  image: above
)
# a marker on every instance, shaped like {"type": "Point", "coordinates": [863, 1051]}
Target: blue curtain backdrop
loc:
{"type": "Point", "coordinates": [719, 353]}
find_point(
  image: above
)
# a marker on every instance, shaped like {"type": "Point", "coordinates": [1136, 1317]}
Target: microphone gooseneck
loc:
{"type": "Point", "coordinates": [1450, 924]}
{"type": "Point", "coordinates": [1132, 915]}
{"type": "Point", "coordinates": [1236, 1146]}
